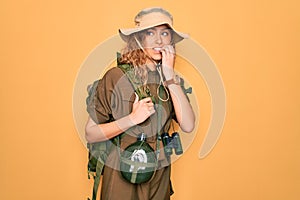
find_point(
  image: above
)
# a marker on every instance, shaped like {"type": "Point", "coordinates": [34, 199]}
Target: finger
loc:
{"type": "Point", "coordinates": [136, 98]}
{"type": "Point", "coordinates": [151, 107]}
{"type": "Point", "coordinates": [146, 100]}
{"type": "Point", "coordinates": [152, 111]}
{"type": "Point", "coordinates": [169, 49]}
{"type": "Point", "coordinates": [166, 55]}
{"type": "Point", "coordinates": [149, 103]}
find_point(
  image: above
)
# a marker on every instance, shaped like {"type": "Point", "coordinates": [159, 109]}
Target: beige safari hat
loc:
{"type": "Point", "coordinates": [151, 17]}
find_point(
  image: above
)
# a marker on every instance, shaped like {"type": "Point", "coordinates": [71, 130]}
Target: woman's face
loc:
{"type": "Point", "coordinates": [155, 38]}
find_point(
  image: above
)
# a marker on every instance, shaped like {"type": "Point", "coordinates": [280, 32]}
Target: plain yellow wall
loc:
{"type": "Point", "coordinates": [255, 45]}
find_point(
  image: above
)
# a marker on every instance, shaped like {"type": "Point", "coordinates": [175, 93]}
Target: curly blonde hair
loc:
{"type": "Point", "coordinates": [133, 54]}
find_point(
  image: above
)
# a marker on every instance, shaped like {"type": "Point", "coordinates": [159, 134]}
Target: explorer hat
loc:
{"type": "Point", "coordinates": [151, 17]}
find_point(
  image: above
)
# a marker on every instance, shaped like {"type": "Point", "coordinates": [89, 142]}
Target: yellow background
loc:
{"type": "Point", "coordinates": [255, 45]}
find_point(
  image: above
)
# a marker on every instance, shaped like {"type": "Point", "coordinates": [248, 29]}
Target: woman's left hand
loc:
{"type": "Point", "coordinates": [168, 60]}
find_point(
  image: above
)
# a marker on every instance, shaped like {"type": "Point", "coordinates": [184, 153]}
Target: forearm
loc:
{"type": "Point", "coordinates": [183, 109]}
{"type": "Point", "coordinates": [101, 132]}
{"type": "Point", "coordinates": [141, 110]}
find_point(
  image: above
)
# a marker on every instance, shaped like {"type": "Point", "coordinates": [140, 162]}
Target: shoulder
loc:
{"type": "Point", "coordinates": [113, 75]}
{"type": "Point", "coordinates": [114, 72]}
{"type": "Point", "coordinates": [113, 79]}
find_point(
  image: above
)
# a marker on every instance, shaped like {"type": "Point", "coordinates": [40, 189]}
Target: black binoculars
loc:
{"type": "Point", "coordinates": [172, 142]}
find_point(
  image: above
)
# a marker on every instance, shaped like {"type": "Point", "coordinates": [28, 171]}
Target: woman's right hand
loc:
{"type": "Point", "coordinates": [141, 110]}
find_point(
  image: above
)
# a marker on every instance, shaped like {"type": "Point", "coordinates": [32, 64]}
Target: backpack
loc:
{"type": "Point", "coordinates": [98, 151]}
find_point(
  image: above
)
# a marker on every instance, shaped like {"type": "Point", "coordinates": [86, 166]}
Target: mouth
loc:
{"type": "Point", "coordinates": [157, 49]}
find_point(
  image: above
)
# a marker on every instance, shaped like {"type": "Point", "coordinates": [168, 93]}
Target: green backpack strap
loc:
{"type": "Point", "coordinates": [141, 91]}
{"type": "Point", "coordinates": [99, 169]}
{"type": "Point", "coordinates": [98, 155]}
{"type": "Point", "coordinates": [97, 177]}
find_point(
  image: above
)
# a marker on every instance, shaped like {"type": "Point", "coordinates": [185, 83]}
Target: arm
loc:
{"type": "Point", "coordinates": [183, 109]}
{"type": "Point", "coordinates": [141, 110]}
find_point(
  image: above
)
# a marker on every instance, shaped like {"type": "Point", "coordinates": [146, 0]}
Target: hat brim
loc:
{"type": "Point", "coordinates": [177, 36]}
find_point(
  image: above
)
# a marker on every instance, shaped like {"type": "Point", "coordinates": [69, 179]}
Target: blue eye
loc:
{"type": "Point", "coordinates": [165, 33]}
{"type": "Point", "coordinates": [150, 33]}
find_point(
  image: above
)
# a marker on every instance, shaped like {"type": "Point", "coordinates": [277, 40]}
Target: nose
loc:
{"type": "Point", "coordinates": [158, 39]}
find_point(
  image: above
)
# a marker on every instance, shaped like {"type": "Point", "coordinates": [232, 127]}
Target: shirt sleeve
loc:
{"type": "Point", "coordinates": [112, 98]}
{"type": "Point", "coordinates": [102, 97]}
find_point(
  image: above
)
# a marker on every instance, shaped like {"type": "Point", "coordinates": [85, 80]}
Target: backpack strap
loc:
{"type": "Point", "coordinates": [101, 150]}
{"type": "Point", "coordinates": [97, 157]}
{"type": "Point", "coordinates": [99, 169]}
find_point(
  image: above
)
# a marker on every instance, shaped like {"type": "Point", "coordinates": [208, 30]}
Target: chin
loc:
{"type": "Point", "coordinates": [156, 57]}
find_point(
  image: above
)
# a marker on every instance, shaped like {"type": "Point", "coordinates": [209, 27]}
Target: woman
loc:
{"type": "Point", "coordinates": [128, 109]}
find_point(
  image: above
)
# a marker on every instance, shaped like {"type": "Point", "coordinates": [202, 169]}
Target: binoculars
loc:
{"type": "Point", "coordinates": [172, 142]}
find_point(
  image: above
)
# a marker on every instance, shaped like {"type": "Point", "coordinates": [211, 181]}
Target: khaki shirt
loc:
{"type": "Point", "coordinates": [114, 99]}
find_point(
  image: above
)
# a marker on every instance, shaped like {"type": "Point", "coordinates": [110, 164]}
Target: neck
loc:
{"type": "Point", "coordinates": [151, 64]}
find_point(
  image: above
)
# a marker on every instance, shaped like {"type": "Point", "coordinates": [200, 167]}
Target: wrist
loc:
{"type": "Point", "coordinates": [168, 73]}
{"type": "Point", "coordinates": [174, 80]}
{"type": "Point", "coordinates": [126, 122]}
{"type": "Point", "coordinates": [132, 119]}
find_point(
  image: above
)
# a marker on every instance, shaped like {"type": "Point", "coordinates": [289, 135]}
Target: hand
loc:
{"type": "Point", "coordinates": [141, 110]}
{"type": "Point", "coordinates": [168, 60]}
